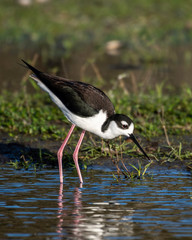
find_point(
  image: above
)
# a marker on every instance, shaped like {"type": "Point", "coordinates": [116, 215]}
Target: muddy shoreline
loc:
{"type": "Point", "coordinates": [43, 153]}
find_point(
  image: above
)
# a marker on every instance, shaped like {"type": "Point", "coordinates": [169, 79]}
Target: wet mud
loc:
{"type": "Point", "coordinates": [43, 153]}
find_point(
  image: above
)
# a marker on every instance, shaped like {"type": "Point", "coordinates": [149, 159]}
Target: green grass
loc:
{"type": "Point", "coordinates": [36, 114]}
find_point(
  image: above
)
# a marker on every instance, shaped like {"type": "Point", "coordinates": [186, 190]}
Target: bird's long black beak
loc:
{"type": "Point", "coordinates": [132, 137]}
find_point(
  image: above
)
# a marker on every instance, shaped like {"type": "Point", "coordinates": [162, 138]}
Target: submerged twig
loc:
{"type": "Point", "coordinates": [122, 158]}
{"type": "Point", "coordinates": [162, 120]}
{"type": "Point", "coordinates": [96, 70]}
{"type": "Point", "coordinates": [23, 81]}
{"type": "Point", "coordinates": [115, 162]}
{"type": "Point", "coordinates": [26, 76]}
{"type": "Point", "coordinates": [64, 69]}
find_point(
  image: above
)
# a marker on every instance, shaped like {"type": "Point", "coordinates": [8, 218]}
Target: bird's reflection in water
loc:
{"type": "Point", "coordinates": [69, 219]}
{"type": "Point", "coordinates": [94, 220]}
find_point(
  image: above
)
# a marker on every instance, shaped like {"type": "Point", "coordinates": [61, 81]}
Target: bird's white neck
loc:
{"type": "Point", "coordinates": [95, 125]}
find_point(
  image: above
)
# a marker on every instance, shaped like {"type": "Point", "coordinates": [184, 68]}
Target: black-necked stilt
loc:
{"type": "Point", "coordinates": [84, 106]}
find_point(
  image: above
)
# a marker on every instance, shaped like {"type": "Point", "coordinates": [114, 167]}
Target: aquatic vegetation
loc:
{"type": "Point", "coordinates": [141, 171]}
{"type": "Point", "coordinates": [122, 150]}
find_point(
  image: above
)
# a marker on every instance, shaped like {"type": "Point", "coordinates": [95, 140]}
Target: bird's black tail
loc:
{"type": "Point", "coordinates": [36, 71]}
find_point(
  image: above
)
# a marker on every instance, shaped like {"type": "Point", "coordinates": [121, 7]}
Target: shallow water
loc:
{"type": "Point", "coordinates": [36, 206]}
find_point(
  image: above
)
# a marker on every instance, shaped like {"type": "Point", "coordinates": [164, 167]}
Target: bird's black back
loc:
{"type": "Point", "coordinates": [80, 98]}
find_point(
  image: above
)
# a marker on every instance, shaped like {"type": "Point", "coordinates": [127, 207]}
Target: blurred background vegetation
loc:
{"type": "Point", "coordinates": [130, 33]}
{"type": "Point", "coordinates": [144, 26]}
{"type": "Point", "coordinates": [137, 51]}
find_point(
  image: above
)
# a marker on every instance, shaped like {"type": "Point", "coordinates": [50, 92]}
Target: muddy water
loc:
{"type": "Point", "coordinates": [36, 206]}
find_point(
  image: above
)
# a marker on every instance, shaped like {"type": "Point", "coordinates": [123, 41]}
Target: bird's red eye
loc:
{"type": "Point", "coordinates": [124, 126]}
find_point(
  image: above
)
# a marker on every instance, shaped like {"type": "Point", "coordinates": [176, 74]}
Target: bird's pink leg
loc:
{"type": "Point", "coordinates": [75, 155]}
{"type": "Point", "coordinates": [60, 153]}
